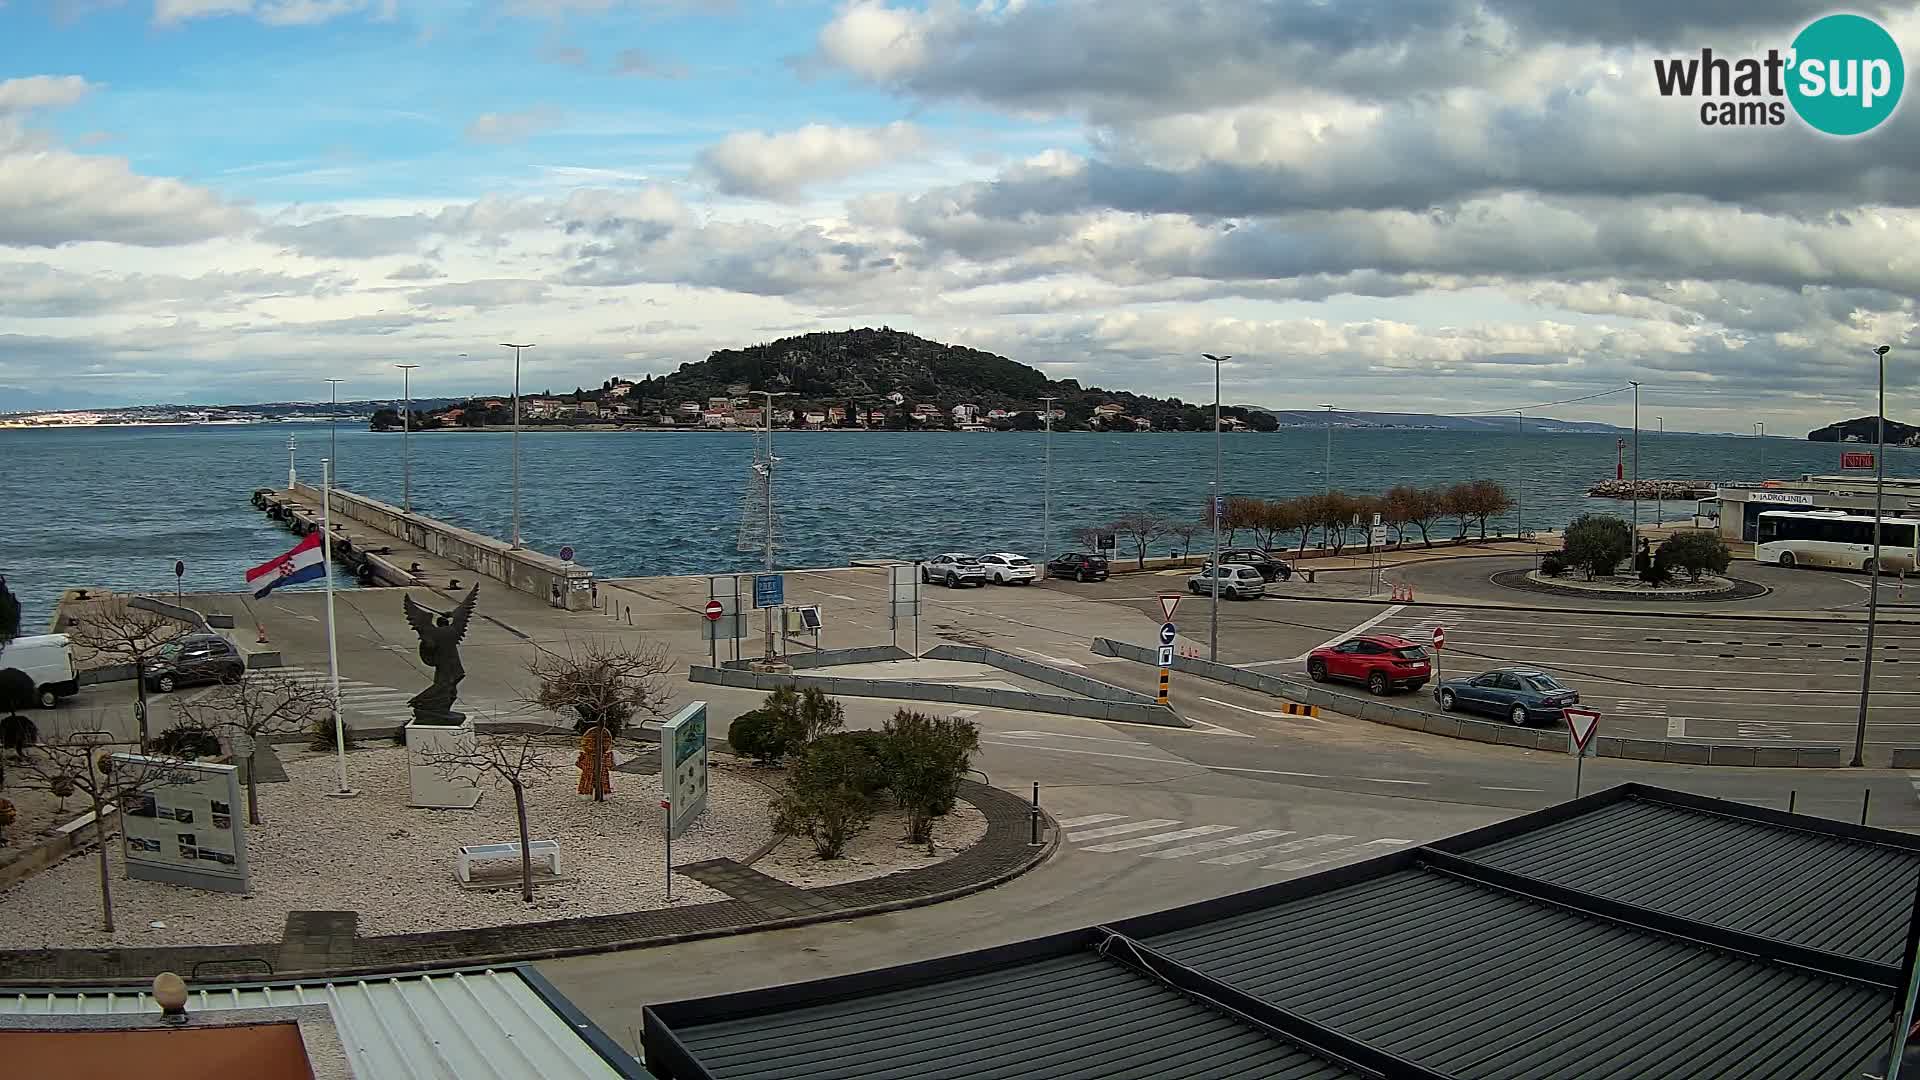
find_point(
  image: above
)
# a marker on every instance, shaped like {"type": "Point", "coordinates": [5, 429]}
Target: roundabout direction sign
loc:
{"type": "Point", "coordinates": [1168, 633]}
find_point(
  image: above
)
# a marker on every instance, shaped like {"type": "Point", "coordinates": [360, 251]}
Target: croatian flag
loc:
{"type": "Point", "coordinates": [306, 562]}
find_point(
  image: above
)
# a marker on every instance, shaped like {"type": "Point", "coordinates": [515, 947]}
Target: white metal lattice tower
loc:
{"type": "Point", "coordinates": [756, 518]}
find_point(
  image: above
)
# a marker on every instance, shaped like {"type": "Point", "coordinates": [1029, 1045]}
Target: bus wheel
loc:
{"type": "Point", "coordinates": [1867, 567]}
{"type": "Point", "coordinates": [1786, 559]}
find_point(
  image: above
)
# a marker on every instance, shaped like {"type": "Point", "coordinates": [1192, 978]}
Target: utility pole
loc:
{"type": "Point", "coordinates": [406, 437]}
{"type": "Point", "coordinates": [1659, 497]}
{"type": "Point", "coordinates": [1520, 504]}
{"type": "Point", "coordinates": [1214, 500]}
{"type": "Point", "coordinates": [1636, 467]}
{"type": "Point", "coordinates": [333, 427]}
{"type": "Point", "coordinates": [1760, 440]}
{"type": "Point", "coordinates": [1873, 566]}
{"type": "Point", "coordinates": [768, 479]}
{"type": "Point", "coordinates": [1046, 512]}
{"type": "Point", "coordinates": [516, 439]}
{"type": "Point", "coordinates": [1329, 472]}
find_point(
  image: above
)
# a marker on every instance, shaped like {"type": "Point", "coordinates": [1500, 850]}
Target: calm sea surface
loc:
{"type": "Point", "coordinates": [116, 506]}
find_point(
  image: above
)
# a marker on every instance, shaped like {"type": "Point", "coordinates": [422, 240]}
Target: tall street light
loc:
{"type": "Point", "coordinates": [516, 438]}
{"type": "Point", "coordinates": [1214, 499]}
{"type": "Point", "coordinates": [1873, 566]}
{"type": "Point", "coordinates": [406, 437]}
{"type": "Point", "coordinates": [770, 395]}
{"type": "Point", "coordinates": [333, 429]}
{"type": "Point", "coordinates": [1329, 409]}
{"type": "Point", "coordinates": [1659, 497]}
{"type": "Point", "coordinates": [1760, 440]}
{"type": "Point", "coordinates": [1046, 513]}
{"type": "Point", "coordinates": [1520, 504]}
{"type": "Point", "coordinates": [1636, 466]}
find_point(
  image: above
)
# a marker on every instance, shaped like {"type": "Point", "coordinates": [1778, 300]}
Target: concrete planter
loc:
{"type": "Point", "coordinates": [432, 786]}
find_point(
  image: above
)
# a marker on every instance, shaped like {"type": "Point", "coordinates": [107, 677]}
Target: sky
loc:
{"type": "Point", "coordinates": [1431, 205]}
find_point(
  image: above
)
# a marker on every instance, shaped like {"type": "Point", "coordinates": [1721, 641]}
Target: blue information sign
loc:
{"type": "Point", "coordinates": [769, 590]}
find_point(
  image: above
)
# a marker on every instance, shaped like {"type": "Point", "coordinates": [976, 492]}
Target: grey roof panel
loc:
{"type": "Point", "coordinates": [1477, 982]}
{"type": "Point", "coordinates": [1828, 892]}
{"type": "Point", "coordinates": [1072, 1017]}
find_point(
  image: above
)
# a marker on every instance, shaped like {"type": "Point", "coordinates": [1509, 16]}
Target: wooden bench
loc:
{"type": "Point", "coordinates": [542, 851]}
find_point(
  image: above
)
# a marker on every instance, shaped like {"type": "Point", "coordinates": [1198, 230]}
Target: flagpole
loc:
{"type": "Point", "coordinates": [333, 649]}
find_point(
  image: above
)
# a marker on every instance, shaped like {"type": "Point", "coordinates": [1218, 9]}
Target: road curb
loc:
{"type": "Point", "coordinates": [1638, 613]}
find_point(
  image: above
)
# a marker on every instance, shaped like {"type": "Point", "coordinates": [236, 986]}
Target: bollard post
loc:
{"type": "Point", "coordinates": [1791, 794]}
{"type": "Point", "coordinates": [1866, 799]}
{"type": "Point", "coordinates": [1033, 818]}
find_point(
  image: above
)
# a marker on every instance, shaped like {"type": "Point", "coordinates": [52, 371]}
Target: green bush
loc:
{"type": "Point", "coordinates": [320, 732]}
{"type": "Point", "coordinates": [753, 734]}
{"type": "Point", "coordinates": [1697, 551]}
{"type": "Point", "coordinates": [1597, 543]}
{"type": "Point", "coordinates": [871, 745]}
{"type": "Point", "coordinates": [926, 757]}
{"type": "Point", "coordinates": [187, 739]}
{"type": "Point", "coordinates": [785, 723]}
{"type": "Point", "coordinates": [828, 797]}
{"type": "Point", "coordinates": [1553, 565]}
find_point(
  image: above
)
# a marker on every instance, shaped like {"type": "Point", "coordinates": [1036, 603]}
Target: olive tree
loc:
{"type": "Point", "coordinates": [1597, 543]}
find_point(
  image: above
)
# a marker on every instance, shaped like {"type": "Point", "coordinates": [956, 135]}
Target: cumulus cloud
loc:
{"type": "Point", "coordinates": [41, 92]}
{"type": "Point", "coordinates": [781, 165]}
{"type": "Point", "coordinates": [50, 196]}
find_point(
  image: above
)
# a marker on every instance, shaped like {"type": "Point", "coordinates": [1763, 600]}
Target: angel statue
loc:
{"type": "Point", "coordinates": [440, 634]}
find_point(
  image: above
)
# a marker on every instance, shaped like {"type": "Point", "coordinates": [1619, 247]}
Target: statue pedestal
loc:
{"type": "Point", "coordinates": [431, 785]}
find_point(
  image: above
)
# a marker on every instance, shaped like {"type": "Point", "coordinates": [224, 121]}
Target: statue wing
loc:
{"type": "Point", "coordinates": [418, 617]}
{"type": "Point", "coordinates": [461, 615]}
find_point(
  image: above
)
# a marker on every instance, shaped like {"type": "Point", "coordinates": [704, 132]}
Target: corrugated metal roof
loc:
{"type": "Point", "coordinates": [1475, 981]}
{"type": "Point", "coordinates": [1635, 934]}
{"type": "Point", "coordinates": [1830, 892]}
{"type": "Point", "coordinates": [1100, 1020]}
{"type": "Point", "coordinates": [457, 1026]}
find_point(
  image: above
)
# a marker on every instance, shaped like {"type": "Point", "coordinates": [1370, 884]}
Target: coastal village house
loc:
{"type": "Point", "coordinates": [837, 415]}
{"type": "Point", "coordinates": [721, 405]}
{"type": "Point", "coordinates": [965, 414]}
{"type": "Point", "coordinates": [689, 408]}
{"type": "Point", "coordinates": [1109, 410]}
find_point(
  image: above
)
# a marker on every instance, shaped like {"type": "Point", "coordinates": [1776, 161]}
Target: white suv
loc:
{"type": "Point", "coordinates": [1006, 568]}
{"type": "Point", "coordinates": [1236, 582]}
{"type": "Point", "coordinates": [953, 570]}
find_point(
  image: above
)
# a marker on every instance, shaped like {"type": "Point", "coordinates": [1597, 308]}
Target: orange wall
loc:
{"type": "Point", "coordinates": [252, 1052]}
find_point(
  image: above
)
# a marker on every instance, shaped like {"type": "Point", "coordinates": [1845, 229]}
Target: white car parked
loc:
{"type": "Point", "coordinates": [1236, 582]}
{"type": "Point", "coordinates": [1006, 568]}
{"type": "Point", "coordinates": [953, 570]}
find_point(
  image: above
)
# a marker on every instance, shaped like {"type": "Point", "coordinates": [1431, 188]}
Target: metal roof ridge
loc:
{"type": "Point", "coordinates": [1711, 935]}
{"type": "Point", "coordinates": [1778, 819]}
{"type": "Point", "coordinates": [1346, 1051]}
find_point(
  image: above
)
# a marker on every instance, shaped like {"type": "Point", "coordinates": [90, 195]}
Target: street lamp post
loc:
{"type": "Point", "coordinates": [1214, 500]}
{"type": "Point", "coordinates": [333, 427]}
{"type": "Point", "coordinates": [1329, 472]}
{"type": "Point", "coordinates": [1636, 467]}
{"type": "Point", "coordinates": [1520, 504]}
{"type": "Point", "coordinates": [1873, 567]}
{"type": "Point", "coordinates": [516, 438]}
{"type": "Point", "coordinates": [1046, 513]}
{"type": "Point", "coordinates": [1659, 497]}
{"type": "Point", "coordinates": [1760, 440]}
{"type": "Point", "coordinates": [770, 395]}
{"type": "Point", "coordinates": [406, 437]}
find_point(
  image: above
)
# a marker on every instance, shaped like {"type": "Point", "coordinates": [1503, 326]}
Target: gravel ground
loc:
{"type": "Point", "coordinates": [875, 852]}
{"type": "Point", "coordinates": [35, 812]}
{"type": "Point", "coordinates": [394, 864]}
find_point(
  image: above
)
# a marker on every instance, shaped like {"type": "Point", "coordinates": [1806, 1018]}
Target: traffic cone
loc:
{"type": "Point", "coordinates": [262, 639]}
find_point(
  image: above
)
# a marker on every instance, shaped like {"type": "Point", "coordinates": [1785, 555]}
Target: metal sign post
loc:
{"type": "Point", "coordinates": [1581, 724]}
{"type": "Point", "coordinates": [1168, 634]}
{"type": "Point", "coordinates": [1439, 643]}
{"type": "Point", "coordinates": [666, 809]}
{"type": "Point", "coordinates": [179, 571]}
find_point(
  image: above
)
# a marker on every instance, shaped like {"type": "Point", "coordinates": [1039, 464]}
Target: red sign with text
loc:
{"type": "Point", "coordinates": [1856, 460]}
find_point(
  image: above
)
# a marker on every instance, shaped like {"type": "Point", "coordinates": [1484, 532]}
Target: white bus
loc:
{"type": "Point", "coordinates": [1834, 538]}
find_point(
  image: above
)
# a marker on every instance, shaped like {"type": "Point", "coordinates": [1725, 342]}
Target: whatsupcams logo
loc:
{"type": "Point", "coordinates": [1843, 75]}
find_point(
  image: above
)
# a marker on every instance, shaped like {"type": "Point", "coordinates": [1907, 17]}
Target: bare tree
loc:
{"type": "Point", "coordinates": [513, 758]}
{"type": "Point", "coordinates": [80, 762]}
{"type": "Point", "coordinates": [1088, 537]}
{"type": "Point", "coordinates": [1419, 507]}
{"type": "Point", "coordinates": [121, 633]}
{"type": "Point", "coordinates": [263, 704]}
{"type": "Point", "coordinates": [1142, 526]}
{"type": "Point", "coordinates": [603, 684]}
{"type": "Point", "coordinates": [1184, 531]}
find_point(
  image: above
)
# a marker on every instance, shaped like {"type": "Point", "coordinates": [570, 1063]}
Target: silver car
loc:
{"type": "Point", "coordinates": [953, 570]}
{"type": "Point", "coordinates": [1236, 582]}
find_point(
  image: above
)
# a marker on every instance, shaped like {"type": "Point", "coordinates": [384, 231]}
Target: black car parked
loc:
{"type": "Point", "coordinates": [195, 659]}
{"type": "Point", "coordinates": [1079, 566]}
{"type": "Point", "coordinates": [1269, 567]}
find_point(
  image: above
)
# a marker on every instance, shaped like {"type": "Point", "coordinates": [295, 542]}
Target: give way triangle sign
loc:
{"type": "Point", "coordinates": [1167, 604]}
{"type": "Point", "coordinates": [1581, 724]}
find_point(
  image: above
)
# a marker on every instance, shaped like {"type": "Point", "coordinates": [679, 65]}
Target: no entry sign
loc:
{"type": "Point", "coordinates": [714, 611]}
{"type": "Point", "coordinates": [1439, 637]}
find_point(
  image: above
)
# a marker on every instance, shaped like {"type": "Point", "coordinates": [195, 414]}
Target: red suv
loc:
{"type": "Point", "coordinates": [1382, 661]}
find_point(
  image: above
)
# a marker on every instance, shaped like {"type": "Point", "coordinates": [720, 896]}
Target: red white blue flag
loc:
{"type": "Point", "coordinates": [306, 562]}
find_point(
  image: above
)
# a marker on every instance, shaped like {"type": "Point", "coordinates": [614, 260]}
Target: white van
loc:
{"type": "Point", "coordinates": [48, 658]}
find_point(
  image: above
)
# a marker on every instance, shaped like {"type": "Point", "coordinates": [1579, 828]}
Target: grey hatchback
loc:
{"type": "Point", "coordinates": [192, 660]}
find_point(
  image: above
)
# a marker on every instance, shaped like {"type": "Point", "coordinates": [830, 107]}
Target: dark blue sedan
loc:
{"type": "Point", "coordinates": [1521, 696]}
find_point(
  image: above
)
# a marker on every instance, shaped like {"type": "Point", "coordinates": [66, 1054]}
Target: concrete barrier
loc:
{"type": "Point", "coordinates": [518, 568]}
{"type": "Point", "coordinates": [173, 611]}
{"type": "Point", "coordinates": [1905, 759]}
{"type": "Point", "coordinates": [1082, 685]}
{"type": "Point", "coordinates": [868, 654]}
{"type": "Point", "coordinates": [1455, 726]}
{"type": "Point", "coordinates": [910, 690]}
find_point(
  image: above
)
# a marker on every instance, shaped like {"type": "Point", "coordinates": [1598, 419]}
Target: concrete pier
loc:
{"type": "Point", "coordinates": [385, 545]}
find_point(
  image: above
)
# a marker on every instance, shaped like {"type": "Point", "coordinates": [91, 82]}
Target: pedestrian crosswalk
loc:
{"type": "Point", "coordinates": [1285, 850]}
{"type": "Point", "coordinates": [381, 705]}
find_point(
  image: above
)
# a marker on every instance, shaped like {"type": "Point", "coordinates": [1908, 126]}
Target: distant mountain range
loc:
{"type": "Point", "coordinates": [1437, 422]}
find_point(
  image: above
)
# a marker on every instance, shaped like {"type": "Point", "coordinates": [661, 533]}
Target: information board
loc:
{"type": "Point", "coordinates": [192, 832]}
{"type": "Point", "coordinates": [683, 767]}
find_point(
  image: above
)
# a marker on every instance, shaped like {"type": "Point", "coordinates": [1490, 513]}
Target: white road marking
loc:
{"type": "Point", "coordinates": [1253, 837]}
{"type": "Point", "coordinates": [1121, 830]}
{"type": "Point", "coordinates": [1490, 787]}
{"type": "Point", "coordinates": [837, 596]}
{"type": "Point", "coordinates": [1338, 638]}
{"type": "Point", "coordinates": [1159, 761]}
{"type": "Point", "coordinates": [1383, 780]}
{"type": "Point", "coordinates": [1239, 857]}
{"type": "Point", "coordinates": [1063, 735]}
{"type": "Point", "coordinates": [1089, 819]}
{"type": "Point", "coordinates": [1359, 849]}
{"type": "Point", "coordinates": [1202, 727]}
{"type": "Point", "coordinates": [1257, 712]}
{"type": "Point", "coordinates": [1059, 660]}
{"type": "Point", "coordinates": [1162, 838]}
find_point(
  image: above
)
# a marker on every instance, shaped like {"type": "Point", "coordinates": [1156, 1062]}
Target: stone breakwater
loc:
{"type": "Point", "coordinates": [1651, 489]}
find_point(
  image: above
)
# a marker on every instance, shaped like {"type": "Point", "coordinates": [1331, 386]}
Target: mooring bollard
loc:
{"type": "Point", "coordinates": [1033, 818]}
